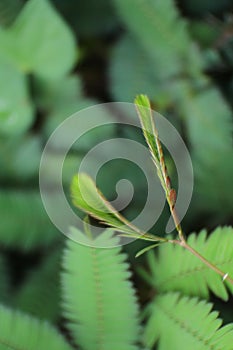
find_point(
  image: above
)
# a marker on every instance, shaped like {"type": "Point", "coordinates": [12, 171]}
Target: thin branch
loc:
{"type": "Point", "coordinates": [185, 245]}
{"type": "Point", "coordinates": [159, 161]}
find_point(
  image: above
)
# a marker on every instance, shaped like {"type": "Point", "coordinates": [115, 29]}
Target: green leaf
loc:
{"type": "Point", "coordinates": [132, 71]}
{"type": "Point", "coordinates": [89, 199]}
{"type": "Point", "coordinates": [20, 331]}
{"type": "Point", "coordinates": [16, 110]}
{"type": "Point", "coordinates": [99, 299]}
{"type": "Point", "coordinates": [146, 237]}
{"type": "Point", "coordinates": [42, 41]}
{"type": "Point", "coordinates": [20, 158]}
{"type": "Point", "coordinates": [143, 107]}
{"type": "Point", "coordinates": [150, 132]}
{"type": "Point", "coordinates": [61, 111]}
{"type": "Point", "coordinates": [63, 97]}
{"type": "Point", "coordinates": [51, 94]}
{"type": "Point", "coordinates": [176, 320]}
{"type": "Point", "coordinates": [176, 269]}
{"type": "Point", "coordinates": [25, 220]}
{"type": "Point", "coordinates": [146, 249]}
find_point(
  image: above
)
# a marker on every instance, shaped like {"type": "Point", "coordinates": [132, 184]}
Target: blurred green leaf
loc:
{"type": "Point", "coordinates": [16, 109]}
{"type": "Point", "coordinates": [98, 296]}
{"type": "Point", "coordinates": [175, 320]}
{"type": "Point", "coordinates": [131, 71]}
{"type": "Point", "coordinates": [209, 126]}
{"type": "Point", "coordinates": [41, 42]}
{"type": "Point", "coordinates": [20, 158]}
{"type": "Point", "coordinates": [54, 93]}
{"type": "Point", "coordinates": [62, 111]}
{"type": "Point", "coordinates": [29, 332]}
{"type": "Point", "coordinates": [24, 222]}
{"type": "Point", "coordinates": [60, 98]}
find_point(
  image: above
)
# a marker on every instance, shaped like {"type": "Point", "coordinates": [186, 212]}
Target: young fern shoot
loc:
{"type": "Point", "coordinates": [152, 138]}
{"type": "Point", "coordinates": [150, 132]}
{"type": "Point", "coordinates": [89, 199]}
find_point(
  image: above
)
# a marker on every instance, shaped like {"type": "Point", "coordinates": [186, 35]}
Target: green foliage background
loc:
{"type": "Point", "coordinates": [58, 57]}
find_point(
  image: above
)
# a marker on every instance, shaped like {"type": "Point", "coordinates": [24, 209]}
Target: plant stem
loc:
{"type": "Point", "coordinates": [149, 130]}
{"type": "Point", "coordinates": [185, 245]}
{"type": "Point", "coordinates": [176, 222]}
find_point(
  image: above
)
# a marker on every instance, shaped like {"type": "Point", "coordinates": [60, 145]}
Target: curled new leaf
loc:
{"type": "Point", "coordinates": [89, 199]}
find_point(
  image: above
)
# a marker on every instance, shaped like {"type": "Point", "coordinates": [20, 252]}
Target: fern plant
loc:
{"type": "Point", "coordinates": [98, 303]}
{"type": "Point", "coordinates": [107, 317]}
{"type": "Point", "coordinates": [208, 262]}
{"type": "Point", "coordinates": [180, 321]}
{"type": "Point", "coordinates": [96, 205]}
{"type": "Point", "coordinates": [101, 310]}
{"type": "Point", "coordinates": [92, 297]}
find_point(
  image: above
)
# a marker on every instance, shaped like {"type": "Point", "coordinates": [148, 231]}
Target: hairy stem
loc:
{"type": "Point", "coordinates": [150, 131]}
{"type": "Point", "coordinates": [185, 245]}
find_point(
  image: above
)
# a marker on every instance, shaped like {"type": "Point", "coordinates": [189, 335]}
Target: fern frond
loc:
{"type": "Point", "coordinates": [175, 269]}
{"type": "Point", "coordinates": [19, 331]}
{"type": "Point", "coordinates": [39, 294]}
{"type": "Point", "coordinates": [181, 321]}
{"type": "Point", "coordinates": [24, 222]}
{"type": "Point", "coordinates": [99, 299]}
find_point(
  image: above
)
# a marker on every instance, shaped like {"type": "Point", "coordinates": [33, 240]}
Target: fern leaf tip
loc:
{"type": "Point", "coordinates": [142, 100]}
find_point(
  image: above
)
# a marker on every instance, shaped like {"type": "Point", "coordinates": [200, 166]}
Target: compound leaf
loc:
{"type": "Point", "coordinates": [175, 269]}
{"type": "Point", "coordinates": [20, 331]}
{"type": "Point", "coordinates": [99, 299]}
{"type": "Point", "coordinates": [176, 320]}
